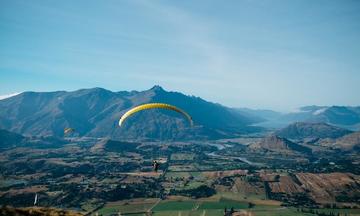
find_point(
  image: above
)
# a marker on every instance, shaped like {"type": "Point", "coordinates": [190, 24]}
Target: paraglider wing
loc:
{"type": "Point", "coordinates": [68, 130]}
{"type": "Point", "coordinates": [154, 106]}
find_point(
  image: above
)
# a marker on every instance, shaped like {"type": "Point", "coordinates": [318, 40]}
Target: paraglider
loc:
{"type": "Point", "coordinates": [156, 165]}
{"type": "Point", "coordinates": [68, 130]}
{"type": "Point", "coordinates": [154, 106]}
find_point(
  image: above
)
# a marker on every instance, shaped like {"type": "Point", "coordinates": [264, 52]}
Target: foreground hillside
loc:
{"type": "Point", "coordinates": [36, 211]}
{"type": "Point", "coordinates": [95, 112]}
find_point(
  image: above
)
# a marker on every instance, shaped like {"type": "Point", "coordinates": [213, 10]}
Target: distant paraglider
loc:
{"type": "Point", "coordinates": [154, 106]}
{"type": "Point", "coordinates": [68, 131]}
{"type": "Point", "coordinates": [155, 165]}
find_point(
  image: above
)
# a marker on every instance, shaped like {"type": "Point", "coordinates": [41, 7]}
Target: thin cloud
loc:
{"type": "Point", "coordinates": [2, 97]}
{"type": "Point", "coordinates": [192, 32]}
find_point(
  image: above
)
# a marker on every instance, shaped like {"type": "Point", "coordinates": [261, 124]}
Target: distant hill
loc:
{"type": "Point", "coordinates": [261, 114]}
{"type": "Point", "coordinates": [348, 142]}
{"type": "Point", "coordinates": [343, 116]}
{"type": "Point", "coordinates": [336, 115]}
{"type": "Point", "coordinates": [279, 144]}
{"type": "Point", "coordinates": [10, 140]}
{"type": "Point", "coordinates": [114, 146]}
{"type": "Point", "coordinates": [95, 112]}
{"type": "Point", "coordinates": [306, 130]}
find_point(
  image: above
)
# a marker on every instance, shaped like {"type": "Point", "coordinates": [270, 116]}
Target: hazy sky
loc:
{"type": "Point", "coordinates": [241, 53]}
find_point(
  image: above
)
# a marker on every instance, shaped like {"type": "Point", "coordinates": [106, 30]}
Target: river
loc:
{"type": "Point", "coordinates": [223, 146]}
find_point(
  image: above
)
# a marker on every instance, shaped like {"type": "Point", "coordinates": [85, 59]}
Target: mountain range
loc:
{"type": "Point", "coordinates": [343, 116]}
{"type": "Point", "coordinates": [95, 112]}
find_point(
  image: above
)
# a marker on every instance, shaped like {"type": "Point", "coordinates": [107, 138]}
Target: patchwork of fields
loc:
{"type": "Point", "coordinates": [213, 206]}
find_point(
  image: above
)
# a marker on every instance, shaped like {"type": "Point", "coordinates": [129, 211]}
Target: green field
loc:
{"type": "Point", "coordinates": [242, 196]}
{"type": "Point", "coordinates": [223, 203]}
{"type": "Point", "coordinates": [196, 174]}
{"type": "Point", "coordinates": [209, 207]}
{"type": "Point", "coordinates": [279, 212]}
{"type": "Point", "coordinates": [181, 168]}
{"type": "Point", "coordinates": [125, 208]}
{"type": "Point", "coordinates": [175, 205]}
{"type": "Point", "coordinates": [340, 211]}
{"type": "Point", "coordinates": [216, 212]}
{"type": "Point", "coordinates": [182, 157]}
{"type": "Point", "coordinates": [216, 208]}
{"type": "Point", "coordinates": [177, 175]}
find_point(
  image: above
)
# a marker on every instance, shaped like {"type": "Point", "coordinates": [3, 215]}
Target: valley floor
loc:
{"type": "Point", "coordinates": [100, 177]}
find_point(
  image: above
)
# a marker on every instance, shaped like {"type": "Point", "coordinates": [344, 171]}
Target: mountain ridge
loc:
{"type": "Point", "coordinates": [347, 117]}
{"type": "Point", "coordinates": [96, 111]}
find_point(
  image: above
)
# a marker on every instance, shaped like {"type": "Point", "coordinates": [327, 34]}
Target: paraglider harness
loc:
{"type": "Point", "coordinates": [155, 165]}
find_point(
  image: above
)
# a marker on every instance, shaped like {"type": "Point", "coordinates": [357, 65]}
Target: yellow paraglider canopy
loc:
{"type": "Point", "coordinates": [154, 106]}
{"type": "Point", "coordinates": [68, 130]}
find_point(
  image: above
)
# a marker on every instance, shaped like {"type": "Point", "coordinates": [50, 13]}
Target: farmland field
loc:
{"type": "Point", "coordinates": [181, 156]}
{"type": "Point", "coordinates": [210, 207]}
{"type": "Point", "coordinates": [187, 183]}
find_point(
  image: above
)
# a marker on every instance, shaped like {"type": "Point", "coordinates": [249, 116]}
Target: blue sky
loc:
{"type": "Point", "coordinates": [241, 53]}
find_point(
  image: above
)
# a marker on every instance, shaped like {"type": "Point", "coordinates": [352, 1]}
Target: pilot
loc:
{"type": "Point", "coordinates": [155, 165]}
